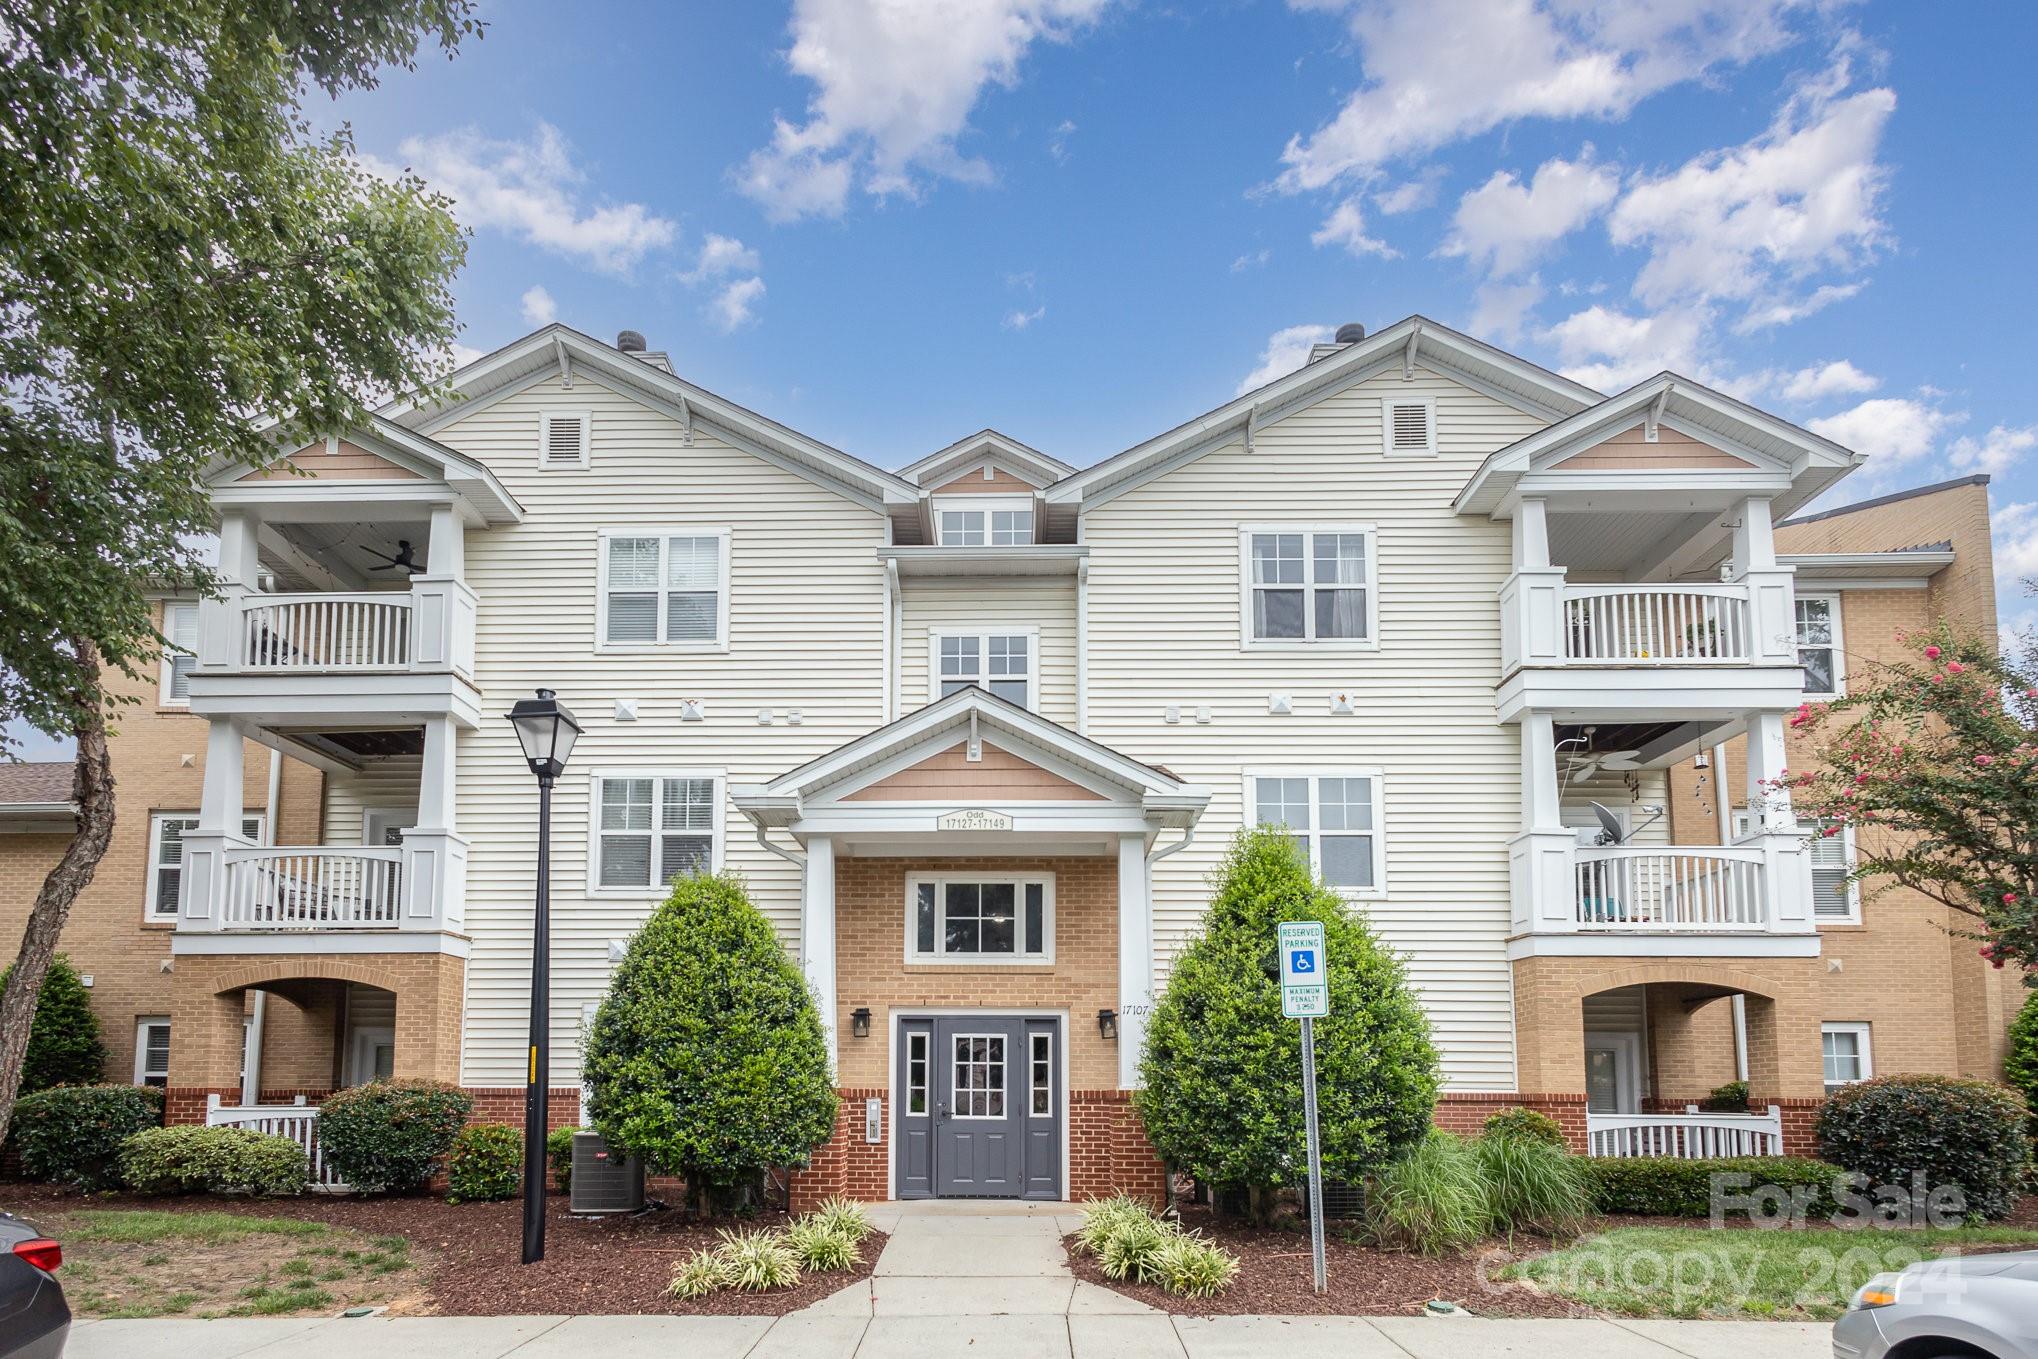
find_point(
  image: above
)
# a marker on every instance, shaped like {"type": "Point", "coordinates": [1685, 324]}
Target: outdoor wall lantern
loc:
{"type": "Point", "coordinates": [859, 1022]}
{"type": "Point", "coordinates": [546, 730]}
{"type": "Point", "coordinates": [1107, 1024]}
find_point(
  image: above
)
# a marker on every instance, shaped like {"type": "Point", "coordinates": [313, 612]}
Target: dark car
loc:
{"type": "Point", "coordinates": [34, 1318]}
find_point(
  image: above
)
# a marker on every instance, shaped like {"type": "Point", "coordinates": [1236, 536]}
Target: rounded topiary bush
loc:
{"type": "Point", "coordinates": [192, 1159]}
{"type": "Point", "coordinates": [1530, 1124]}
{"type": "Point", "coordinates": [1222, 1096]}
{"type": "Point", "coordinates": [486, 1163]}
{"type": "Point", "coordinates": [63, 1039]}
{"type": "Point", "coordinates": [1953, 1132]}
{"type": "Point", "coordinates": [2020, 1064]}
{"type": "Point", "coordinates": [387, 1135]}
{"type": "Point", "coordinates": [73, 1133]}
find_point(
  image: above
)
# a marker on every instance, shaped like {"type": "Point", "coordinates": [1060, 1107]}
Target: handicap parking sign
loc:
{"type": "Point", "coordinates": [1301, 960]}
{"type": "Point", "coordinates": [1304, 993]}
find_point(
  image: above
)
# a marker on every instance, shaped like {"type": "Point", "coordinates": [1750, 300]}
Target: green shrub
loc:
{"type": "Point", "coordinates": [707, 1057]}
{"type": "Point", "coordinates": [559, 1156]}
{"type": "Point", "coordinates": [756, 1260]}
{"type": "Point", "coordinates": [2020, 1064]}
{"type": "Point", "coordinates": [1131, 1243]}
{"type": "Point", "coordinates": [1532, 1186]}
{"type": "Point", "coordinates": [1191, 1267]}
{"type": "Point", "coordinates": [72, 1134]}
{"type": "Point", "coordinates": [698, 1275]}
{"type": "Point", "coordinates": [387, 1135]}
{"type": "Point", "coordinates": [63, 1038]}
{"type": "Point", "coordinates": [1433, 1200]}
{"type": "Point", "coordinates": [844, 1216]}
{"type": "Point", "coordinates": [1220, 1067]}
{"type": "Point", "coordinates": [1528, 1123]}
{"type": "Point", "coordinates": [1731, 1098]}
{"type": "Point", "coordinates": [485, 1164]}
{"type": "Point", "coordinates": [1953, 1132]}
{"type": "Point", "coordinates": [192, 1159]}
{"type": "Point", "coordinates": [821, 1244]}
{"type": "Point", "coordinates": [1665, 1187]}
{"type": "Point", "coordinates": [1102, 1217]}
{"type": "Point", "coordinates": [1128, 1250]}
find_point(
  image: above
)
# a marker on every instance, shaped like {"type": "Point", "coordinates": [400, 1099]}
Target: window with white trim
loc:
{"type": "Point", "coordinates": [1834, 898]}
{"type": "Point", "coordinates": [1818, 645]}
{"type": "Point", "coordinates": [985, 527]}
{"type": "Point", "coordinates": [980, 918]}
{"type": "Point", "coordinates": [166, 858]}
{"type": "Point", "coordinates": [650, 828]}
{"type": "Point", "coordinates": [1846, 1052]}
{"type": "Point", "coordinates": [1333, 817]}
{"type": "Point", "coordinates": [1408, 425]}
{"type": "Point", "coordinates": [1003, 663]}
{"type": "Point", "coordinates": [563, 439]}
{"type": "Point", "coordinates": [1308, 585]}
{"type": "Point", "coordinates": [180, 629]}
{"type": "Point", "coordinates": [664, 588]}
{"type": "Point", "coordinates": [152, 1050]}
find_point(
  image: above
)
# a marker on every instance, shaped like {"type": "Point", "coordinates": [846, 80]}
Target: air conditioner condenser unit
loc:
{"type": "Point", "coordinates": [603, 1181]}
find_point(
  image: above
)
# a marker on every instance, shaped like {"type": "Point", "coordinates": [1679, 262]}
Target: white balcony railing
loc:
{"type": "Point", "coordinates": [1656, 625]}
{"type": "Point", "coordinates": [312, 889]}
{"type": "Point", "coordinates": [1631, 887]}
{"type": "Point", "coordinates": [325, 632]}
{"type": "Point", "coordinates": [298, 1122]}
{"type": "Point", "coordinates": [1689, 1136]}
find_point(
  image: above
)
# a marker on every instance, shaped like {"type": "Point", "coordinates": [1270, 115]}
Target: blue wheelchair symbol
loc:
{"type": "Point", "coordinates": [1302, 960]}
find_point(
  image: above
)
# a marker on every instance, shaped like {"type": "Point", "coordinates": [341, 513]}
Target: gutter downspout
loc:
{"type": "Point", "coordinates": [893, 627]}
{"type": "Point", "coordinates": [271, 816]}
{"type": "Point", "coordinates": [1082, 641]}
{"type": "Point", "coordinates": [797, 860]}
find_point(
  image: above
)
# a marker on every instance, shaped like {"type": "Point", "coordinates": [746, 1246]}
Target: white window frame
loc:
{"type": "Point", "coordinates": [166, 681]}
{"type": "Point", "coordinates": [142, 1025]}
{"type": "Point", "coordinates": [983, 635]}
{"type": "Point", "coordinates": [252, 827]}
{"type": "Point", "coordinates": [654, 889]}
{"type": "Point", "coordinates": [1832, 601]}
{"type": "Point", "coordinates": [1034, 1039]}
{"type": "Point", "coordinates": [664, 535]}
{"type": "Point", "coordinates": [1862, 1032]}
{"type": "Point", "coordinates": [1308, 641]}
{"type": "Point", "coordinates": [546, 463]}
{"type": "Point", "coordinates": [1005, 1070]}
{"type": "Point", "coordinates": [986, 505]}
{"type": "Point", "coordinates": [1250, 816]}
{"type": "Point", "coordinates": [1429, 417]}
{"type": "Point", "coordinates": [925, 1039]}
{"type": "Point", "coordinates": [1853, 916]}
{"type": "Point", "coordinates": [941, 958]}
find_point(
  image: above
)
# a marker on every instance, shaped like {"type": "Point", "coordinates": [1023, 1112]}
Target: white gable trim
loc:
{"type": "Point", "coordinates": [1022, 461]}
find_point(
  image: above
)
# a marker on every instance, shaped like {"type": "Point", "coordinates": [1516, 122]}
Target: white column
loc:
{"type": "Point", "coordinates": [1786, 864]}
{"type": "Point", "coordinates": [1135, 957]}
{"type": "Point", "coordinates": [1769, 808]}
{"type": "Point", "coordinates": [1539, 857]}
{"type": "Point", "coordinates": [437, 775]}
{"type": "Point", "coordinates": [1772, 608]}
{"type": "Point", "coordinates": [1532, 536]}
{"type": "Point", "coordinates": [446, 550]}
{"type": "Point", "coordinates": [433, 872]}
{"type": "Point", "coordinates": [202, 887]}
{"type": "Point", "coordinates": [817, 934]}
{"type": "Point", "coordinates": [219, 808]}
{"type": "Point", "coordinates": [219, 616]}
{"type": "Point", "coordinates": [1532, 598]}
{"type": "Point", "coordinates": [239, 557]}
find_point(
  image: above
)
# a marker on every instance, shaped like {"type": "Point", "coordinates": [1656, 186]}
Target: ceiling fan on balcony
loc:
{"type": "Point", "coordinates": [1586, 763]}
{"type": "Point", "coordinates": [405, 558]}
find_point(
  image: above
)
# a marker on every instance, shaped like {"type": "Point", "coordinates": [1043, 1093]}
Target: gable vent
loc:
{"type": "Point", "coordinates": [562, 440]}
{"type": "Point", "coordinates": [1411, 426]}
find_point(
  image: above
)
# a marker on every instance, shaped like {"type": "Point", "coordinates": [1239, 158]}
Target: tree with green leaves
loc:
{"type": "Point", "coordinates": [707, 1057]}
{"type": "Point", "coordinates": [188, 275]}
{"type": "Point", "coordinates": [1221, 1075]}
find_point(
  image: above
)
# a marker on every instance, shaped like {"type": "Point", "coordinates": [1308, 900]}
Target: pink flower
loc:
{"type": "Point", "coordinates": [1955, 668]}
{"type": "Point", "coordinates": [2009, 898]}
{"type": "Point", "coordinates": [1932, 653]}
{"type": "Point", "coordinates": [1938, 679]}
{"type": "Point", "coordinates": [1984, 760]}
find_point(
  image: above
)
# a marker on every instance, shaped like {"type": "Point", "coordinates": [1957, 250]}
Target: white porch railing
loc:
{"type": "Point", "coordinates": [1656, 625]}
{"type": "Point", "coordinates": [370, 631]}
{"type": "Point", "coordinates": [1689, 1136]}
{"type": "Point", "coordinates": [1630, 887]}
{"type": "Point", "coordinates": [312, 889]}
{"type": "Point", "coordinates": [298, 1122]}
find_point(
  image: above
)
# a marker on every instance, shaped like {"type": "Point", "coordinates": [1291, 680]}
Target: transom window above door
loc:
{"type": "Point", "coordinates": [1306, 586]}
{"type": "Point", "coordinates": [1334, 818]}
{"type": "Point", "coordinates": [664, 588]}
{"type": "Point", "coordinates": [1003, 663]}
{"type": "Point", "coordinates": [980, 918]}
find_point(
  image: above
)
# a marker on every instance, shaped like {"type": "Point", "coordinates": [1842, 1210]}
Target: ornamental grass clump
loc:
{"type": "Point", "coordinates": [756, 1260]}
{"type": "Point", "coordinates": [1130, 1243]}
{"type": "Point", "coordinates": [822, 1245]}
{"type": "Point", "coordinates": [1532, 1186]}
{"type": "Point", "coordinates": [1190, 1267]}
{"type": "Point", "coordinates": [843, 1215]}
{"type": "Point", "coordinates": [698, 1275]}
{"type": "Point", "coordinates": [1432, 1201]}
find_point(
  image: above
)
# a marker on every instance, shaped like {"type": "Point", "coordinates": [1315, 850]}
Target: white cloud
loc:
{"type": "Point", "coordinates": [2014, 531]}
{"type": "Point", "coordinates": [1891, 430]}
{"type": "Point", "coordinates": [1346, 226]}
{"type": "Point", "coordinates": [1019, 320]}
{"type": "Point", "coordinates": [1784, 312]}
{"type": "Point", "coordinates": [895, 86]}
{"type": "Point", "coordinates": [1410, 195]}
{"type": "Point", "coordinates": [539, 308]}
{"type": "Point", "coordinates": [1612, 350]}
{"type": "Point", "coordinates": [1058, 143]}
{"type": "Point", "coordinates": [1252, 259]}
{"type": "Point", "coordinates": [1500, 309]}
{"type": "Point", "coordinates": [1435, 73]}
{"type": "Point", "coordinates": [531, 189]}
{"type": "Point", "coordinates": [1995, 451]}
{"type": "Point", "coordinates": [735, 305]}
{"type": "Point", "coordinates": [1503, 226]}
{"type": "Point", "coordinates": [1838, 378]}
{"type": "Point", "coordinates": [1286, 351]}
{"type": "Point", "coordinates": [720, 256]}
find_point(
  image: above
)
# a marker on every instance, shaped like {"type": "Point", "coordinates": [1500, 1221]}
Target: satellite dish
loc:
{"type": "Point", "coordinates": [1610, 830]}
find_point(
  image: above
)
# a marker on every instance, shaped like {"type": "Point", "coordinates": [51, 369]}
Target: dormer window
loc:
{"type": "Point", "coordinates": [1007, 524]}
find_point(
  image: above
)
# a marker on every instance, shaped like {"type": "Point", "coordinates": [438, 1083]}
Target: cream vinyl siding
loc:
{"type": "Point", "coordinates": [1164, 628]}
{"type": "Point", "coordinates": [806, 632]}
{"type": "Point", "coordinates": [390, 782]}
{"type": "Point", "coordinates": [987, 605]}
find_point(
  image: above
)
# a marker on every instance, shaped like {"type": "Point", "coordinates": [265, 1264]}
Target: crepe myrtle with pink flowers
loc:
{"type": "Point", "coordinates": [1933, 759]}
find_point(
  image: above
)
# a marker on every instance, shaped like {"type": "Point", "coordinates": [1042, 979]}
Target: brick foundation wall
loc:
{"type": "Point", "coordinates": [1465, 1113]}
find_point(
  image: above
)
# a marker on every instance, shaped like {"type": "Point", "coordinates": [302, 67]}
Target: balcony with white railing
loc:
{"type": "Point", "coordinates": [235, 890]}
{"type": "Point", "coordinates": [1645, 899]}
{"type": "Point", "coordinates": [1644, 888]}
{"type": "Point", "coordinates": [306, 633]}
{"type": "Point", "coordinates": [1689, 1136]}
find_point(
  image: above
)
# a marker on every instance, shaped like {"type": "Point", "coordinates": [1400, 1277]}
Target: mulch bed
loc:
{"type": "Point", "coordinates": [609, 1265]}
{"type": "Point", "coordinates": [1274, 1277]}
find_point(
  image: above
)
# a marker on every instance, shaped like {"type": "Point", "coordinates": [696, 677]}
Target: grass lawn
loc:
{"type": "Point", "coordinates": [1781, 1275]}
{"type": "Point", "coordinates": [166, 1263]}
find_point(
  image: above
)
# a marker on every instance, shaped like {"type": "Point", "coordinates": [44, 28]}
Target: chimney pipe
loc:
{"type": "Point", "coordinates": [630, 341]}
{"type": "Point", "coordinates": [1351, 332]}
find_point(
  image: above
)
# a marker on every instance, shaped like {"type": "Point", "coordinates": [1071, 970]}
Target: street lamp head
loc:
{"type": "Point", "coordinates": [547, 730]}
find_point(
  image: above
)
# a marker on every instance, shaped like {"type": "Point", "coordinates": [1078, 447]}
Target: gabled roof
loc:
{"type": "Point", "coordinates": [1812, 463]}
{"type": "Point", "coordinates": [559, 349]}
{"type": "Point", "coordinates": [986, 445]}
{"type": "Point", "coordinates": [1415, 339]}
{"type": "Point", "coordinates": [408, 449]}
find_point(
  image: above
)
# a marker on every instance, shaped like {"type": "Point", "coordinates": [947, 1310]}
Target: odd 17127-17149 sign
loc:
{"type": "Point", "coordinates": [973, 819]}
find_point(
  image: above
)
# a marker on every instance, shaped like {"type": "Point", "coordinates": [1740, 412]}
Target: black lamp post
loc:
{"type": "Point", "coordinates": [546, 730]}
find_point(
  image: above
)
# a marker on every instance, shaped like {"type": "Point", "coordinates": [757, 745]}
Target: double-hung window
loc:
{"type": "Point", "coordinates": [152, 1050]}
{"type": "Point", "coordinates": [180, 629]}
{"type": "Point", "coordinates": [1818, 645]}
{"type": "Point", "coordinates": [1333, 817]}
{"type": "Point", "coordinates": [979, 918]}
{"type": "Point", "coordinates": [988, 525]}
{"type": "Point", "coordinates": [665, 588]}
{"type": "Point", "coordinates": [1845, 1049]}
{"type": "Point", "coordinates": [166, 858]}
{"type": "Point", "coordinates": [650, 828]}
{"type": "Point", "coordinates": [1004, 663]}
{"type": "Point", "coordinates": [1834, 899]}
{"type": "Point", "coordinates": [1309, 585]}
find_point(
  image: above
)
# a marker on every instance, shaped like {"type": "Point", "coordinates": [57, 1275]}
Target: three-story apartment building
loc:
{"type": "Point", "coordinates": [977, 731]}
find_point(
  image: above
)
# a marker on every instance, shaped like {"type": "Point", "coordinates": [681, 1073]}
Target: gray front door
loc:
{"type": "Point", "coordinates": [979, 1112]}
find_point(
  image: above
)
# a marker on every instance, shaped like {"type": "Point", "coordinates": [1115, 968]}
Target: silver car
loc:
{"type": "Point", "coordinates": [1975, 1306]}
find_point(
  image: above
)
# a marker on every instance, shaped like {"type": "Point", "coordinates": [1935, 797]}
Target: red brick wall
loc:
{"type": "Point", "coordinates": [1466, 1113]}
